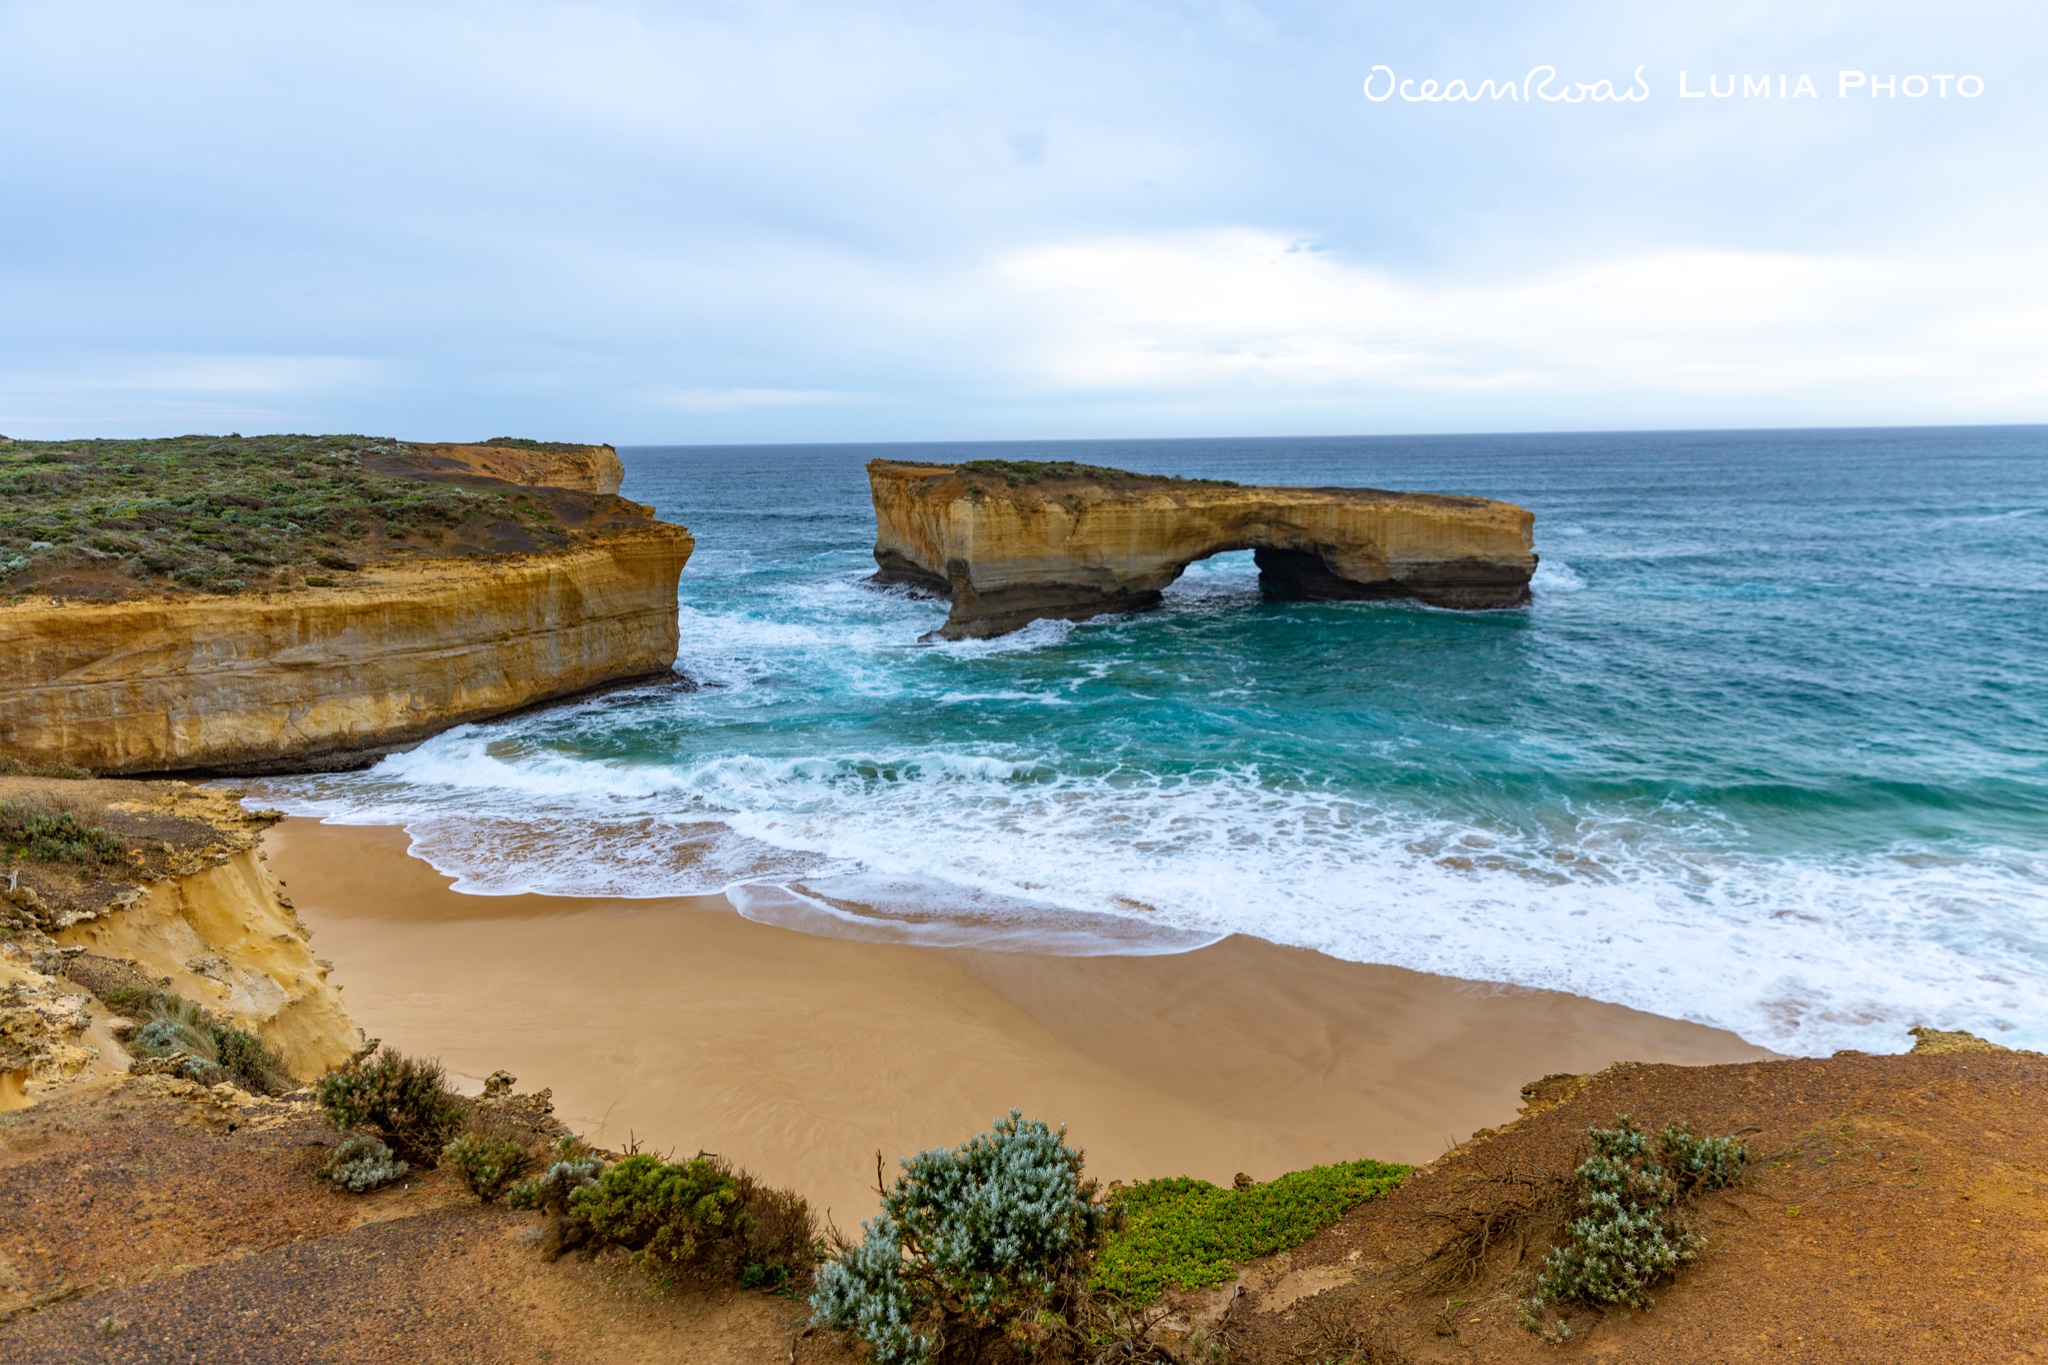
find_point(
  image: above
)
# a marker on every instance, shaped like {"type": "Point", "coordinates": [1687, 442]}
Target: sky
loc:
{"type": "Point", "coordinates": [758, 222]}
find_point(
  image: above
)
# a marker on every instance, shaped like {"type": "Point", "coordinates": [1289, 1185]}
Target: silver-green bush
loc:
{"type": "Point", "coordinates": [360, 1163]}
{"type": "Point", "coordinates": [976, 1244]}
{"type": "Point", "coordinates": [1626, 1236]}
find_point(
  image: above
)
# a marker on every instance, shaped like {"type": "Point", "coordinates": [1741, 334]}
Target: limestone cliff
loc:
{"type": "Point", "coordinates": [1011, 543]}
{"type": "Point", "coordinates": [275, 603]}
{"type": "Point", "coordinates": [319, 678]}
{"type": "Point", "coordinates": [191, 909]}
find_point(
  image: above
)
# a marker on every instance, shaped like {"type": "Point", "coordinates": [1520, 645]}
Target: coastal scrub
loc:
{"type": "Point", "coordinates": [227, 514]}
{"type": "Point", "coordinates": [36, 831]}
{"type": "Point", "coordinates": [1024, 473]}
{"type": "Point", "coordinates": [405, 1101]}
{"type": "Point", "coordinates": [1183, 1233]}
{"type": "Point", "coordinates": [699, 1217]}
{"type": "Point", "coordinates": [1630, 1231]}
{"type": "Point", "coordinates": [984, 1244]}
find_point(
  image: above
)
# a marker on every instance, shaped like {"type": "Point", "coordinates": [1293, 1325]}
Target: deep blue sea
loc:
{"type": "Point", "coordinates": [1767, 752]}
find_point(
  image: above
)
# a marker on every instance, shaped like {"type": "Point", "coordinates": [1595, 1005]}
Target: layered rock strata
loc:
{"type": "Point", "coordinates": [196, 913]}
{"type": "Point", "coordinates": [323, 678]}
{"type": "Point", "coordinates": [1010, 544]}
{"type": "Point", "coordinates": [382, 649]}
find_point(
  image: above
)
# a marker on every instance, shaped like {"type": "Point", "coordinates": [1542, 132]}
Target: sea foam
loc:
{"type": "Point", "coordinates": [1700, 776]}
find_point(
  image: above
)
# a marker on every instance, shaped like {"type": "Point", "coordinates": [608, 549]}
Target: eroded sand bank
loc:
{"type": "Point", "coordinates": [680, 1023]}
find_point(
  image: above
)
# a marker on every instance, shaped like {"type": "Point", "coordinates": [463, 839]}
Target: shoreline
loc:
{"type": "Point", "coordinates": [680, 1024]}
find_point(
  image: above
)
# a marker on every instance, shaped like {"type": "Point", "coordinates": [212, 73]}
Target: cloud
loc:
{"type": "Point", "coordinates": [735, 400]}
{"type": "Point", "coordinates": [101, 393]}
{"type": "Point", "coordinates": [1247, 310]}
{"type": "Point", "coordinates": [814, 221]}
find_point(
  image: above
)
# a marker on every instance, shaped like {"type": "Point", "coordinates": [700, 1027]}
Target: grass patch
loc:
{"type": "Point", "coordinates": [10, 766]}
{"type": "Point", "coordinates": [215, 1051]}
{"type": "Point", "coordinates": [227, 514]}
{"type": "Point", "coordinates": [1182, 1233]}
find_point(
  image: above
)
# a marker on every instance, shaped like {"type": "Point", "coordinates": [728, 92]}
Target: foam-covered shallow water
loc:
{"type": "Point", "coordinates": [1767, 751]}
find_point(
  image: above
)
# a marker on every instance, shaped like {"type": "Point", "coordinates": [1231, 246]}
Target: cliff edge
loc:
{"type": "Point", "coordinates": [290, 603]}
{"type": "Point", "coordinates": [1012, 542]}
{"type": "Point", "coordinates": [109, 887]}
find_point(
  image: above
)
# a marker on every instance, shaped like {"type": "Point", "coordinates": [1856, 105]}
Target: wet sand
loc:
{"type": "Point", "coordinates": [677, 1023]}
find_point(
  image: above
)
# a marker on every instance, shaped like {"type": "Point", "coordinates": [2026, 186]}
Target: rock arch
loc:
{"type": "Point", "coordinates": [1013, 542]}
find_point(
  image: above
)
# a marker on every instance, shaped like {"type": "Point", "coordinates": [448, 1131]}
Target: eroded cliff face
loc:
{"type": "Point", "coordinates": [1013, 544]}
{"type": "Point", "coordinates": [194, 910]}
{"type": "Point", "coordinates": [328, 676]}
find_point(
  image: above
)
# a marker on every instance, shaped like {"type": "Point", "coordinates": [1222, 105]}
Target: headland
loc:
{"type": "Point", "coordinates": [279, 603]}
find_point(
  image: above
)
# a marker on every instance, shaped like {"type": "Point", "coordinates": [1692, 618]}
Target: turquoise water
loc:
{"type": "Point", "coordinates": [1767, 751]}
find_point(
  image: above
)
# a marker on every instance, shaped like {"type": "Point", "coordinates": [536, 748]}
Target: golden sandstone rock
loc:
{"type": "Point", "coordinates": [205, 921]}
{"type": "Point", "coordinates": [1011, 543]}
{"type": "Point", "coordinates": [301, 679]}
{"type": "Point", "coordinates": [339, 672]}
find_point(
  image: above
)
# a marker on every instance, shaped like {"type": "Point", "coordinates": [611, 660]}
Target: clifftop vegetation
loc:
{"type": "Point", "coordinates": [228, 514]}
{"type": "Point", "coordinates": [1025, 473]}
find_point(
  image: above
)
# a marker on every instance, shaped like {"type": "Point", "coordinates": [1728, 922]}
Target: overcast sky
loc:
{"type": "Point", "coordinates": [843, 221]}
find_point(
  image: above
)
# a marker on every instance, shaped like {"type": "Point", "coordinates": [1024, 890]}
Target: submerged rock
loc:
{"type": "Point", "coordinates": [1011, 543]}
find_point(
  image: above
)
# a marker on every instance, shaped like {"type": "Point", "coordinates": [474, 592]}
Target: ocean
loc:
{"type": "Point", "coordinates": [1767, 752]}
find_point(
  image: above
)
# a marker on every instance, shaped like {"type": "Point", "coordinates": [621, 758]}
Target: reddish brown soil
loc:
{"type": "Point", "coordinates": [1898, 1211]}
{"type": "Point", "coordinates": [138, 1227]}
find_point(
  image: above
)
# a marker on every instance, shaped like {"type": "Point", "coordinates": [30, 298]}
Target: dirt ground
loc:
{"type": "Point", "coordinates": [141, 1225]}
{"type": "Point", "coordinates": [1896, 1210]}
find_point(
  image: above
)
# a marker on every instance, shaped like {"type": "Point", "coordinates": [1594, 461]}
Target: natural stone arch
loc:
{"type": "Point", "coordinates": [1011, 543]}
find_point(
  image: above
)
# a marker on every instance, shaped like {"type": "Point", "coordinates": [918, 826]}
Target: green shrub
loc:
{"type": "Point", "coordinates": [1628, 1234]}
{"type": "Point", "coordinates": [1700, 1164]}
{"type": "Point", "coordinates": [982, 1244]}
{"type": "Point", "coordinates": [698, 1217]}
{"type": "Point", "coordinates": [485, 1165]}
{"type": "Point", "coordinates": [1188, 1234]}
{"type": "Point", "coordinates": [251, 1065]}
{"type": "Point", "coordinates": [359, 1163]}
{"type": "Point", "coordinates": [216, 1051]}
{"type": "Point", "coordinates": [673, 1215]}
{"type": "Point", "coordinates": [576, 1168]}
{"type": "Point", "coordinates": [31, 830]}
{"type": "Point", "coordinates": [403, 1100]}
{"type": "Point", "coordinates": [778, 1245]}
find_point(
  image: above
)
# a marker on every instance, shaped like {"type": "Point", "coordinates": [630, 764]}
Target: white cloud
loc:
{"type": "Point", "coordinates": [206, 375]}
{"type": "Point", "coordinates": [736, 400]}
{"type": "Point", "coordinates": [1246, 310]}
{"type": "Point", "coordinates": [813, 221]}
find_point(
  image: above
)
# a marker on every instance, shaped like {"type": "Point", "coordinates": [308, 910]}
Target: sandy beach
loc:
{"type": "Point", "coordinates": [679, 1024]}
